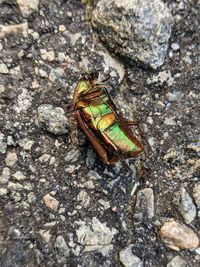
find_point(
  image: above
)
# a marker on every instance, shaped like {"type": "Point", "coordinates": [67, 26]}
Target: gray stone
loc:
{"type": "Point", "coordinates": [11, 159]}
{"type": "Point", "coordinates": [185, 205]}
{"type": "Point", "coordinates": [137, 30]}
{"type": "Point", "coordinates": [161, 78]}
{"type": "Point", "coordinates": [26, 143]}
{"type": "Point", "coordinates": [84, 198]}
{"type": "Point", "coordinates": [169, 121]}
{"type": "Point", "coordinates": [51, 202]}
{"type": "Point", "coordinates": [128, 259]}
{"type": "Point", "coordinates": [53, 119]}
{"type": "Point", "coordinates": [4, 178]}
{"type": "Point", "coordinates": [144, 204]}
{"type": "Point", "coordinates": [24, 101]}
{"type": "Point", "coordinates": [72, 155]}
{"type": "Point", "coordinates": [62, 248]}
{"type": "Point", "coordinates": [45, 234]}
{"type": "Point", "coordinates": [3, 145]}
{"type": "Point", "coordinates": [177, 262]}
{"type": "Point", "coordinates": [113, 63]}
{"type": "Point", "coordinates": [56, 74]}
{"type": "Point", "coordinates": [28, 6]}
{"type": "Point", "coordinates": [3, 68]}
{"type": "Point", "coordinates": [3, 191]}
{"type": "Point", "coordinates": [14, 186]}
{"type": "Point", "coordinates": [19, 176]}
{"type": "Point", "coordinates": [95, 236]}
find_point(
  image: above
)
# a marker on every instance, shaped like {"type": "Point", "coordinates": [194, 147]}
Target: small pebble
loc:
{"type": "Point", "coordinates": [178, 236]}
{"type": "Point", "coordinates": [62, 28]}
{"type": "Point", "coordinates": [128, 259]}
{"type": "Point", "coordinates": [19, 176]}
{"type": "Point", "coordinates": [11, 159]}
{"type": "Point", "coordinates": [144, 204]}
{"type": "Point", "coordinates": [3, 68]}
{"type": "Point", "coordinates": [185, 205]}
{"type": "Point", "coordinates": [51, 202]}
{"type": "Point", "coordinates": [196, 194]}
{"type": "Point", "coordinates": [175, 46]}
{"type": "Point", "coordinates": [177, 262]}
{"type": "Point", "coordinates": [45, 234]}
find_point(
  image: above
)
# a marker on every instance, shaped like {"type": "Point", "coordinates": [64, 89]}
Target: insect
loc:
{"type": "Point", "coordinates": [97, 115]}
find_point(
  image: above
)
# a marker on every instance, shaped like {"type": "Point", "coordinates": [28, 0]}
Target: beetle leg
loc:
{"type": "Point", "coordinates": [99, 148]}
{"type": "Point", "coordinates": [133, 122]}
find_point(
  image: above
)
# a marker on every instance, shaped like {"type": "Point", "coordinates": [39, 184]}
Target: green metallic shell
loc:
{"type": "Point", "coordinates": [101, 116]}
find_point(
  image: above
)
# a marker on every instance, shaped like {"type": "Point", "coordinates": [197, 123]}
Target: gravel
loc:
{"type": "Point", "coordinates": [60, 205]}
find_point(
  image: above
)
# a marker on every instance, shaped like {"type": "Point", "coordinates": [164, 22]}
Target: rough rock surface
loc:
{"type": "Point", "coordinates": [144, 205]}
{"type": "Point", "coordinates": [128, 259]}
{"type": "Point", "coordinates": [176, 235]}
{"type": "Point", "coordinates": [28, 6]}
{"type": "Point", "coordinates": [177, 262]}
{"type": "Point", "coordinates": [185, 205]}
{"type": "Point", "coordinates": [53, 119]}
{"type": "Point", "coordinates": [95, 236]}
{"type": "Point", "coordinates": [138, 30]}
{"type": "Point", "coordinates": [43, 57]}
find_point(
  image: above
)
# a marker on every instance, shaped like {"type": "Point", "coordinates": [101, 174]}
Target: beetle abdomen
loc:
{"type": "Point", "coordinates": [119, 138]}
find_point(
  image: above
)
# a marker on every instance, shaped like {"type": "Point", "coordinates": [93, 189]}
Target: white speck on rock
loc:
{"type": "Point", "coordinates": [62, 28]}
{"type": "Point", "coordinates": [144, 204]}
{"type": "Point", "coordinates": [3, 68]}
{"type": "Point", "coordinates": [19, 176]}
{"type": "Point", "coordinates": [11, 159]}
{"type": "Point", "coordinates": [51, 202]}
{"type": "Point", "coordinates": [175, 46]}
{"type": "Point", "coordinates": [128, 259]}
{"type": "Point", "coordinates": [3, 145]}
{"type": "Point", "coordinates": [24, 101]}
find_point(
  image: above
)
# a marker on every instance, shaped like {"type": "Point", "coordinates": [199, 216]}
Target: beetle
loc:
{"type": "Point", "coordinates": [104, 126]}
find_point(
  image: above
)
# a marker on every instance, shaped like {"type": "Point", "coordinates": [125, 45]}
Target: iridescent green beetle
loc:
{"type": "Point", "coordinates": [97, 115]}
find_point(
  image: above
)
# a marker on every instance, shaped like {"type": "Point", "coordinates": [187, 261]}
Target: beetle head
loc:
{"type": "Point", "coordinates": [91, 75]}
